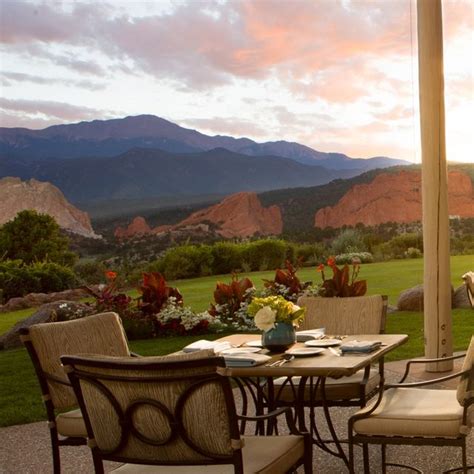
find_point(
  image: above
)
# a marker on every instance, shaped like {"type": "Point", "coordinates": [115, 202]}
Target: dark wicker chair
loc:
{"type": "Point", "coordinates": [469, 282]}
{"type": "Point", "coordinates": [408, 413]}
{"type": "Point", "coordinates": [174, 414]}
{"type": "Point", "coordinates": [98, 334]}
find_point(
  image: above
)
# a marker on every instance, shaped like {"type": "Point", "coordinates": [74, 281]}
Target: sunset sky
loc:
{"type": "Point", "coordinates": [333, 75]}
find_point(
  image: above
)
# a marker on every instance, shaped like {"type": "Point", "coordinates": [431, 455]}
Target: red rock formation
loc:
{"type": "Point", "coordinates": [138, 226]}
{"type": "Point", "coordinates": [394, 197]}
{"type": "Point", "coordinates": [240, 215]}
{"type": "Point", "coordinates": [17, 195]}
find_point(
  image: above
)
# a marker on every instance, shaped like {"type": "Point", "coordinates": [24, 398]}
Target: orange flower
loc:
{"type": "Point", "coordinates": [320, 267]}
{"type": "Point", "coordinates": [110, 275]}
{"type": "Point", "coordinates": [331, 261]}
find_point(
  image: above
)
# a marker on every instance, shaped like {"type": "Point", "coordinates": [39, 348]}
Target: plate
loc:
{"type": "Point", "coordinates": [304, 351]}
{"type": "Point", "coordinates": [256, 343]}
{"type": "Point", "coordinates": [323, 343]}
{"type": "Point", "coordinates": [240, 350]}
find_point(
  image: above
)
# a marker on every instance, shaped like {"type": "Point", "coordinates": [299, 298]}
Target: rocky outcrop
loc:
{"type": "Point", "coordinates": [37, 299]}
{"type": "Point", "coordinates": [394, 198]}
{"type": "Point", "coordinates": [17, 195]}
{"type": "Point", "coordinates": [138, 227]}
{"type": "Point", "coordinates": [51, 312]}
{"type": "Point", "coordinates": [239, 215]}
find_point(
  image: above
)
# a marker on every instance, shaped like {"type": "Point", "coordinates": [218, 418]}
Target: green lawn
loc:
{"type": "Point", "coordinates": [19, 391]}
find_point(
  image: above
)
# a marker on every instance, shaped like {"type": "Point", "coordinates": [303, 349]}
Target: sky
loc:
{"type": "Point", "coordinates": [335, 75]}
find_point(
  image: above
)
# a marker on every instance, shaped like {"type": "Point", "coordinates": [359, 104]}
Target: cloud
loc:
{"type": "Point", "coordinates": [50, 110]}
{"type": "Point", "coordinates": [227, 126]}
{"type": "Point", "coordinates": [11, 77]}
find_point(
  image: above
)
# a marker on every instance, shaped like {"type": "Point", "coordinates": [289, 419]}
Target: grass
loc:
{"type": "Point", "coordinates": [19, 391]}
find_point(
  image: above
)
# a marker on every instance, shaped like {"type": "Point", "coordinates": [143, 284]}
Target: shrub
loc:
{"type": "Point", "coordinates": [187, 261]}
{"type": "Point", "coordinates": [412, 252]}
{"type": "Point", "coordinates": [396, 247]}
{"type": "Point", "coordinates": [349, 240]}
{"type": "Point", "coordinates": [265, 254]}
{"type": "Point", "coordinates": [362, 257]}
{"type": "Point", "coordinates": [226, 257]}
{"type": "Point", "coordinates": [310, 254]}
{"type": "Point", "coordinates": [90, 272]}
{"type": "Point", "coordinates": [155, 293]}
{"type": "Point", "coordinates": [17, 279]}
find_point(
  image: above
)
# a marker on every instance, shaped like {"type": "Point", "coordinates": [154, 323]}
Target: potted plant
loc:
{"type": "Point", "coordinates": [277, 318]}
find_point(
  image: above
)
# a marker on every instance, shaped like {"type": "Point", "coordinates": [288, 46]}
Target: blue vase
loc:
{"type": "Point", "coordinates": [280, 338]}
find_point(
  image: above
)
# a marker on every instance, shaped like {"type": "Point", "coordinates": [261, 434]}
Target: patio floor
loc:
{"type": "Point", "coordinates": [26, 448]}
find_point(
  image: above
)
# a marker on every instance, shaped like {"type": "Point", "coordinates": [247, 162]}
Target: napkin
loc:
{"type": "Point", "coordinates": [205, 344]}
{"type": "Point", "coordinates": [360, 346]}
{"type": "Point", "coordinates": [245, 360]}
{"type": "Point", "coordinates": [309, 335]}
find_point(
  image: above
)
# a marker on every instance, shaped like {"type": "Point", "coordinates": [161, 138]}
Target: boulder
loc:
{"type": "Point", "coordinates": [411, 299]}
{"type": "Point", "coordinates": [37, 299]}
{"type": "Point", "coordinates": [460, 298]}
{"type": "Point", "coordinates": [58, 311]}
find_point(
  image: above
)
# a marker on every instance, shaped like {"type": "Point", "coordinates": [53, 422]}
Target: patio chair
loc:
{"type": "Point", "coordinates": [341, 316]}
{"type": "Point", "coordinates": [174, 414]}
{"type": "Point", "coordinates": [406, 414]}
{"type": "Point", "coordinates": [469, 282]}
{"type": "Point", "coordinates": [98, 334]}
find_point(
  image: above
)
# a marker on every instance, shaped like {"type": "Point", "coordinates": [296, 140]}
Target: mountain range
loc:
{"type": "Point", "coordinates": [147, 156]}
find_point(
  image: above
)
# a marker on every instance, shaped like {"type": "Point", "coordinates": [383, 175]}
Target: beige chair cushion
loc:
{"type": "Point", "coordinates": [72, 424]}
{"type": "Point", "coordinates": [261, 455]}
{"type": "Point", "coordinates": [345, 388]}
{"type": "Point", "coordinates": [339, 316]}
{"type": "Point", "coordinates": [99, 334]}
{"type": "Point", "coordinates": [414, 412]}
{"type": "Point", "coordinates": [466, 385]}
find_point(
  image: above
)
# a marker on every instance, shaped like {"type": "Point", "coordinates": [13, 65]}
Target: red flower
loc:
{"type": "Point", "coordinates": [110, 275]}
{"type": "Point", "coordinates": [320, 267]}
{"type": "Point", "coordinates": [331, 262]}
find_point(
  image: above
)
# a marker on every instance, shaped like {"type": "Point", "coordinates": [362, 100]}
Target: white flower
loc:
{"type": "Point", "coordinates": [265, 318]}
{"type": "Point", "coordinates": [295, 308]}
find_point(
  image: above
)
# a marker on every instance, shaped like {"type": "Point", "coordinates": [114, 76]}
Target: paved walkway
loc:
{"type": "Point", "coordinates": [25, 449]}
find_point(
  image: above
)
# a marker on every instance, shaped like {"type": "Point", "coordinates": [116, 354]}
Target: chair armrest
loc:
{"type": "Point", "coordinates": [428, 382]}
{"type": "Point", "coordinates": [134, 354]}
{"type": "Point", "coordinates": [427, 361]}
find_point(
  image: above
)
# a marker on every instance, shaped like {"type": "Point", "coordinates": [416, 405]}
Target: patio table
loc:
{"type": "Point", "coordinates": [313, 370]}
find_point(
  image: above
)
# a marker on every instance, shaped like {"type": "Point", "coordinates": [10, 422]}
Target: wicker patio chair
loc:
{"type": "Point", "coordinates": [174, 414]}
{"type": "Point", "coordinates": [98, 334]}
{"type": "Point", "coordinates": [406, 414]}
{"type": "Point", "coordinates": [341, 316]}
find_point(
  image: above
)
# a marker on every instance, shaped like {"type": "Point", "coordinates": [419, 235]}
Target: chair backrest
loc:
{"type": "Point", "coordinates": [345, 316]}
{"type": "Point", "coordinates": [469, 282]}
{"type": "Point", "coordinates": [157, 410]}
{"type": "Point", "coordinates": [466, 385]}
{"type": "Point", "coordinates": [98, 334]}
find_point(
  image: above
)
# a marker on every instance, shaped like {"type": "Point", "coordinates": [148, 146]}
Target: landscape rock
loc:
{"type": "Point", "coordinates": [58, 311]}
{"type": "Point", "coordinates": [17, 195]}
{"type": "Point", "coordinates": [239, 215]}
{"type": "Point", "coordinates": [411, 299]}
{"type": "Point", "coordinates": [394, 197]}
{"type": "Point", "coordinates": [37, 299]}
{"type": "Point", "coordinates": [460, 298]}
{"type": "Point", "coordinates": [138, 226]}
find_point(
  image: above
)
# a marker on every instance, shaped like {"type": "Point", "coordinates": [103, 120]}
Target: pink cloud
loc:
{"type": "Point", "coordinates": [60, 111]}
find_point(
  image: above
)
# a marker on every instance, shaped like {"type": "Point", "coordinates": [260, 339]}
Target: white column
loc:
{"type": "Point", "coordinates": [437, 280]}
